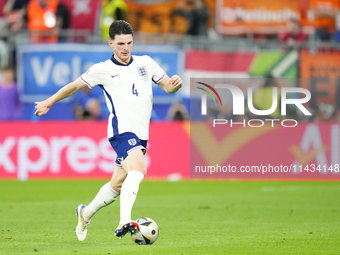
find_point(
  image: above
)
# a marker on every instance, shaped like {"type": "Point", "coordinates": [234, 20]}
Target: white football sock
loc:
{"type": "Point", "coordinates": [128, 194]}
{"type": "Point", "coordinates": [105, 196]}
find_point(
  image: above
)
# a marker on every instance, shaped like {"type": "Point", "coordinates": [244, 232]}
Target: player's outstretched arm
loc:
{"type": "Point", "coordinates": [171, 85]}
{"type": "Point", "coordinates": [43, 107]}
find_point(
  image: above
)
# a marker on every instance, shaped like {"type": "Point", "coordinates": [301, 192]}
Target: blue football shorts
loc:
{"type": "Point", "coordinates": [124, 144]}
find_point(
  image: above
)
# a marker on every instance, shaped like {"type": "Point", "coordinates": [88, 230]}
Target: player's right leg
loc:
{"type": "Point", "coordinates": [130, 154]}
{"type": "Point", "coordinates": [106, 195]}
{"type": "Point", "coordinates": [135, 165]}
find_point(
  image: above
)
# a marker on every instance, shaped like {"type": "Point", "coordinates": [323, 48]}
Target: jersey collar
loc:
{"type": "Point", "coordinates": [118, 63]}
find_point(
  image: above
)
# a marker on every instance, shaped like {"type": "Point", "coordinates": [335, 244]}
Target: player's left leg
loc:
{"type": "Point", "coordinates": [135, 165]}
{"type": "Point", "coordinates": [106, 195]}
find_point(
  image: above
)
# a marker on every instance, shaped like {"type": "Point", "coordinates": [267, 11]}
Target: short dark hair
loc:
{"type": "Point", "coordinates": [120, 27]}
{"type": "Point", "coordinates": [8, 67]}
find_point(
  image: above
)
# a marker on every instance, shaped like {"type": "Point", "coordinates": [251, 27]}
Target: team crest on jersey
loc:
{"type": "Point", "coordinates": [132, 141]}
{"type": "Point", "coordinates": [142, 71]}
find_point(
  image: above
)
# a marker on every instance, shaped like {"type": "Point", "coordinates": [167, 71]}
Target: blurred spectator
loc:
{"type": "Point", "coordinates": [63, 21]}
{"type": "Point", "coordinates": [197, 15]}
{"type": "Point", "coordinates": [178, 111]}
{"type": "Point", "coordinates": [10, 105]}
{"type": "Point", "coordinates": [15, 12]}
{"type": "Point", "coordinates": [87, 105]}
{"type": "Point", "coordinates": [325, 12]}
{"type": "Point", "coordinates": [262, 99]}
{"type": "Point", "coordinates": [326, 111]}
{"type": "Point", "coordinates": [45, 18]}
{"type": "Point", "coordinates": [15, 21]}
{"type": "Point", "coordinates": [4, 54]}
{"type": "Point", "coordinates": [112, 10]}
{"type": "Point", "coordinates": [220, 112]}
{"type": "Point", "coordinates": [93, 110]}
{"type": "Point", "coordinates": [293, 36]}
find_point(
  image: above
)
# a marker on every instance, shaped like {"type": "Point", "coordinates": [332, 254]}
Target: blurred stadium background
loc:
{"type": "Point", "coordinates": [66, 157]}
{"type": "Point", "coordinates": [240, 39]}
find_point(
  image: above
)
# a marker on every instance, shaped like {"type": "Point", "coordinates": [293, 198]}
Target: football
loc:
{"type": "Point", "coordinates": [147, 232]}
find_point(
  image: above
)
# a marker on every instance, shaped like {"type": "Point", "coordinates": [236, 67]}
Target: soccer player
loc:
{"type": "Point", "coordinates": [127, 86]}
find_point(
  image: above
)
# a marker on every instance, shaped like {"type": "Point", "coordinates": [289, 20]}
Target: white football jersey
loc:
{"type": "Point", "coordinates": [128, 92]}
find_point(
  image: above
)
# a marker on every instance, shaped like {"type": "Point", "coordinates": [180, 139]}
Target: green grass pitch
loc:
{"type": "Point", "coordinates": [194, 217]}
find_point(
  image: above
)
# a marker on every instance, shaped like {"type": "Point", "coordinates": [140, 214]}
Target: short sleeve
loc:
{"type": "Point", "coordinates": [158, 72]}
{"type": "Point", "coordinates": [92, 76]}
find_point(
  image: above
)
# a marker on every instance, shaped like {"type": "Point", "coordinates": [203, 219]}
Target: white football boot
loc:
{"type": "Point", "coordinates": [81, 229]}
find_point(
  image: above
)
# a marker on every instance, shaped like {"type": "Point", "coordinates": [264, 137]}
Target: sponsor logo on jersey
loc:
{"type": "Point", "coordinates": [132, 141]}
{"type": "Point", "coordinates": [142, 71]}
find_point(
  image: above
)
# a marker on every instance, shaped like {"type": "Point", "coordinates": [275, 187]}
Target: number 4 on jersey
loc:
{"type": "Point", "coordinates": [134, 91]}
